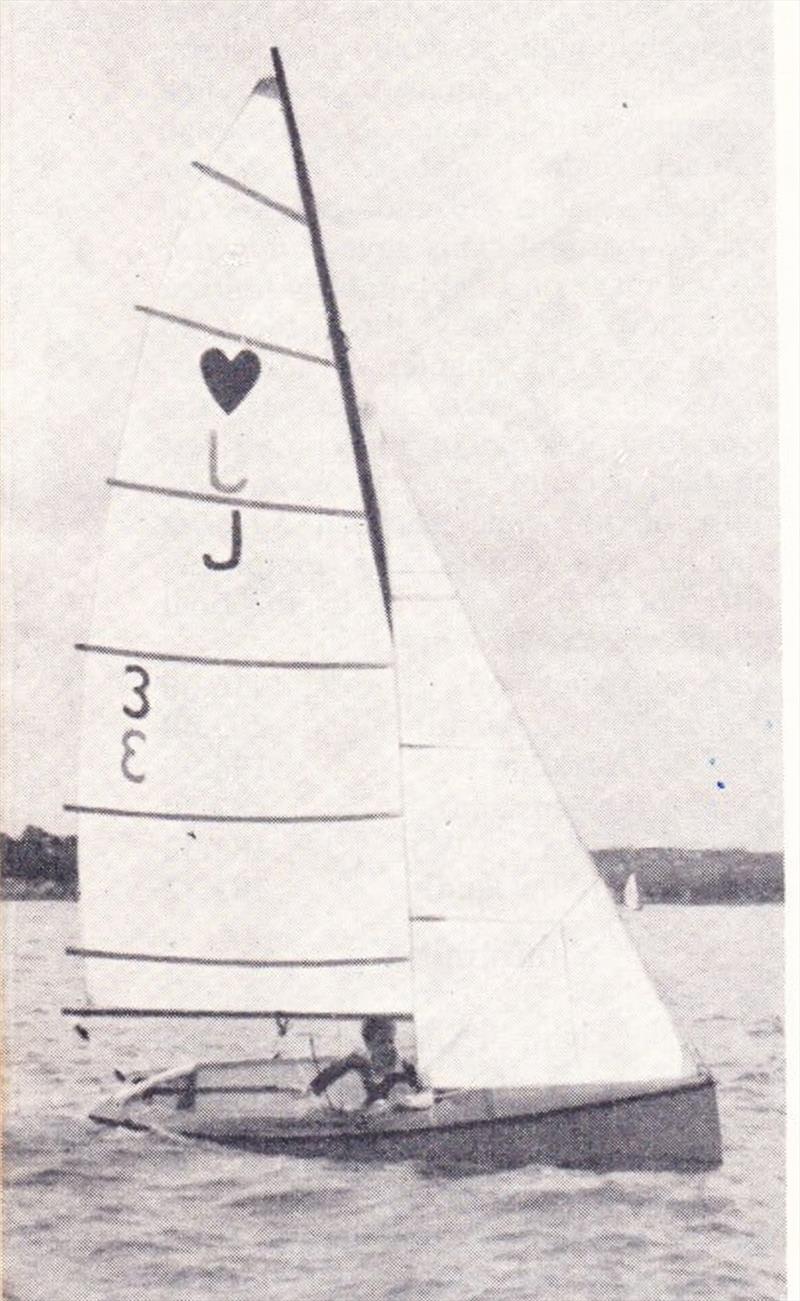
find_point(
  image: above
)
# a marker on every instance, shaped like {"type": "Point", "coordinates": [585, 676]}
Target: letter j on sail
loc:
{"type": "Point", "coordinates": [236, 546]}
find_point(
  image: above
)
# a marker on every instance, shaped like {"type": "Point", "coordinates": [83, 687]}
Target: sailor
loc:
{"type": "Point", "coordinates": [388, 1079]}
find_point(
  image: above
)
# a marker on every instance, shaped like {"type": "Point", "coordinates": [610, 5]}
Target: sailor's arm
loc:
{"type": "Point", "coordinates": [330, 1074]}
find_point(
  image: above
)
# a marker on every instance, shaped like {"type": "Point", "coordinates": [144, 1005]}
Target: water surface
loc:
{"type": "Point", "coordinates": [95, 1214]}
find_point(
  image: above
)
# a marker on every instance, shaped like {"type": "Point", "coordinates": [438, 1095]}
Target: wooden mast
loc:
{"type": "Point", "coordinates": [338, 339]}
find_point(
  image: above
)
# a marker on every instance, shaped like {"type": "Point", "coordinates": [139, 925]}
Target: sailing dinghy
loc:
{"type": "Point", "coordinates": [304, 797]}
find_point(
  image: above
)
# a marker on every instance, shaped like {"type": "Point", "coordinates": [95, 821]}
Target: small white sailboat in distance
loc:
{"type": "Point", "coordinates": [295, 749]}
{"type": "Point", "coordinates": [630, 894]}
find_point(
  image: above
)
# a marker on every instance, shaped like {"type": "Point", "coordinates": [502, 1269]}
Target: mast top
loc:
{"type": "Point", "coordinates": [268, 86]}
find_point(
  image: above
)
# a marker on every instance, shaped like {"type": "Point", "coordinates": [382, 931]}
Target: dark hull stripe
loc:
{"type": "Point", "coordinates": [228, 817]}
{"type": "Point", "coordinates": [235, 962]}
{"type": "Point", "coordinates": [230, 1016]}
{"type": "Point", "coordinates": [514, 1119]}
{"type": "Point", "coordinates": [251, 194]}
{"type": "Point", "coordinates": [578, 1147]}
{"type": "Point", "coordinates": [185, 493]}
{"type": "Point", "coordinates": [237, 338]}
{"type": "Point", "coordinates": [226, 663]}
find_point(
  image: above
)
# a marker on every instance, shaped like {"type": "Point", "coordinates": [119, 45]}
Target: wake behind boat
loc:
{"type": "Point", "coordinates": [294, 746]}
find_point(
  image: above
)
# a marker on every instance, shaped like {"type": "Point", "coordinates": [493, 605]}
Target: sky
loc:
{"type": "Point", "coordinates": [551, 231]}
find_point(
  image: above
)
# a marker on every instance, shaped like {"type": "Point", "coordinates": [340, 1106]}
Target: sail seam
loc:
{"type": "Point", "coordinates": [481, 919]}
{"type": "Point", "coordinates": [228, 817]}
{"type": "Point", "coordinates": [233, 184]}
{"type": "Point", "coordinates": [404, 825]}
{"type": "Point", "coordinates": [237, 338]}
{"type": "Point", "coordinates": [186, 494]}
{"type": "Point", "coordinates": [568, 981]}
{"type": "Point", "coordinates": [230, 663]}
{"type": "Point", "coordinates": [179, 959]}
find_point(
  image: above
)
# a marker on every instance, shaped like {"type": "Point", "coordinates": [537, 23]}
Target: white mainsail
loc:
{"type": "Point", "coordinates": [240, 832]}
{"type": "Point", "coordinates": [523, 973]}
{"type": "Point", "coordinates": [256, 823]}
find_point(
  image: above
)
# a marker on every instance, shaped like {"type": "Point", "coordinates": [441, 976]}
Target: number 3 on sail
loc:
{"type": "Point", "coordinates": [356, 744]}
{"type": "Point", "coordinates": [140, 690]}
{"type": "Point", "coordinates": [129, 753]}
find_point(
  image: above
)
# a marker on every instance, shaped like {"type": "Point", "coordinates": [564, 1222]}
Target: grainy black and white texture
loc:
{"type": "Point", "coordinates": [551, 227]}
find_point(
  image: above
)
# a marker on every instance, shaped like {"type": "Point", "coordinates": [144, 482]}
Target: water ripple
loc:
{"type": "Point", "coordinates": [124, 1216]}
{"type": "Point", "coordinates": [293, 1200]}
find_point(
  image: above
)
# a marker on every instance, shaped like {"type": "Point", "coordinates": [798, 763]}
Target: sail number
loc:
{"type": "Point", "coordinates": [229, 382]}
{"type": "Point", "coordinates": [130, 753]}
{"type": "Point", "coordinates": [139, 689]}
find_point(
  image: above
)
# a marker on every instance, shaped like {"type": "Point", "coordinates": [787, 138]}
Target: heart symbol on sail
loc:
{"type": "Point", "coordinates": [229, 382]}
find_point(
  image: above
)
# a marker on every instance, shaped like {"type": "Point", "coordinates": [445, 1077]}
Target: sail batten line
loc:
{"type": "Point", "coordinates": [229, 817]}
{"type": "Point", "coordinates": [481, 919]}
{"type": "Point", "coordinates": [180, 959]}
{"type": "Point", "coordinates": [236, 338]}
{"type": "Point", "coordinates": [250, 193]}
{"type": "Point", "coordinates": [164, 657]}
{"type": "Point", "coordinates": [232, 1015]}
{"type": "Point", "coordinates": [510, 748]}
{"type": "Point", "coordinates": [338, 340]}
{"type": "Point", "coordinates": [248, 502]}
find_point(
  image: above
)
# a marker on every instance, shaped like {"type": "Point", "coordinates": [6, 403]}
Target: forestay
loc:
{"type": "Point", "coordinates": [523, 973]}
{"type": "Point", "coordinates": [240, 833]}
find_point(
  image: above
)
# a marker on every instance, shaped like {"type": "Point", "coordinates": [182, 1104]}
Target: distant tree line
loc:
{"type": "Point", "coordinates": [41, 866]}
{"type": "Point", "coordinates": [694, 875]}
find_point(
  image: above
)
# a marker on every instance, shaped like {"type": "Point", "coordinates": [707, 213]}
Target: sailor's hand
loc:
{"type": "Point", "coordinates": [416, 1101]}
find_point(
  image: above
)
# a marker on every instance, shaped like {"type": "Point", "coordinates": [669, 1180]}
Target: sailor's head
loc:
{"type": "Point", "coordinates": [378, 1034]}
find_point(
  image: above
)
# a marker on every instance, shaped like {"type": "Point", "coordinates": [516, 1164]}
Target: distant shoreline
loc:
{"type": "Point", "coordinates": [694, 876]}
{"type": "Point", "coordinates": [39, 865]}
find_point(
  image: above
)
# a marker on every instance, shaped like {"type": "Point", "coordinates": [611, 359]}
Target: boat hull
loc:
{"type": "Point", "coordinates": [663, 1125]}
